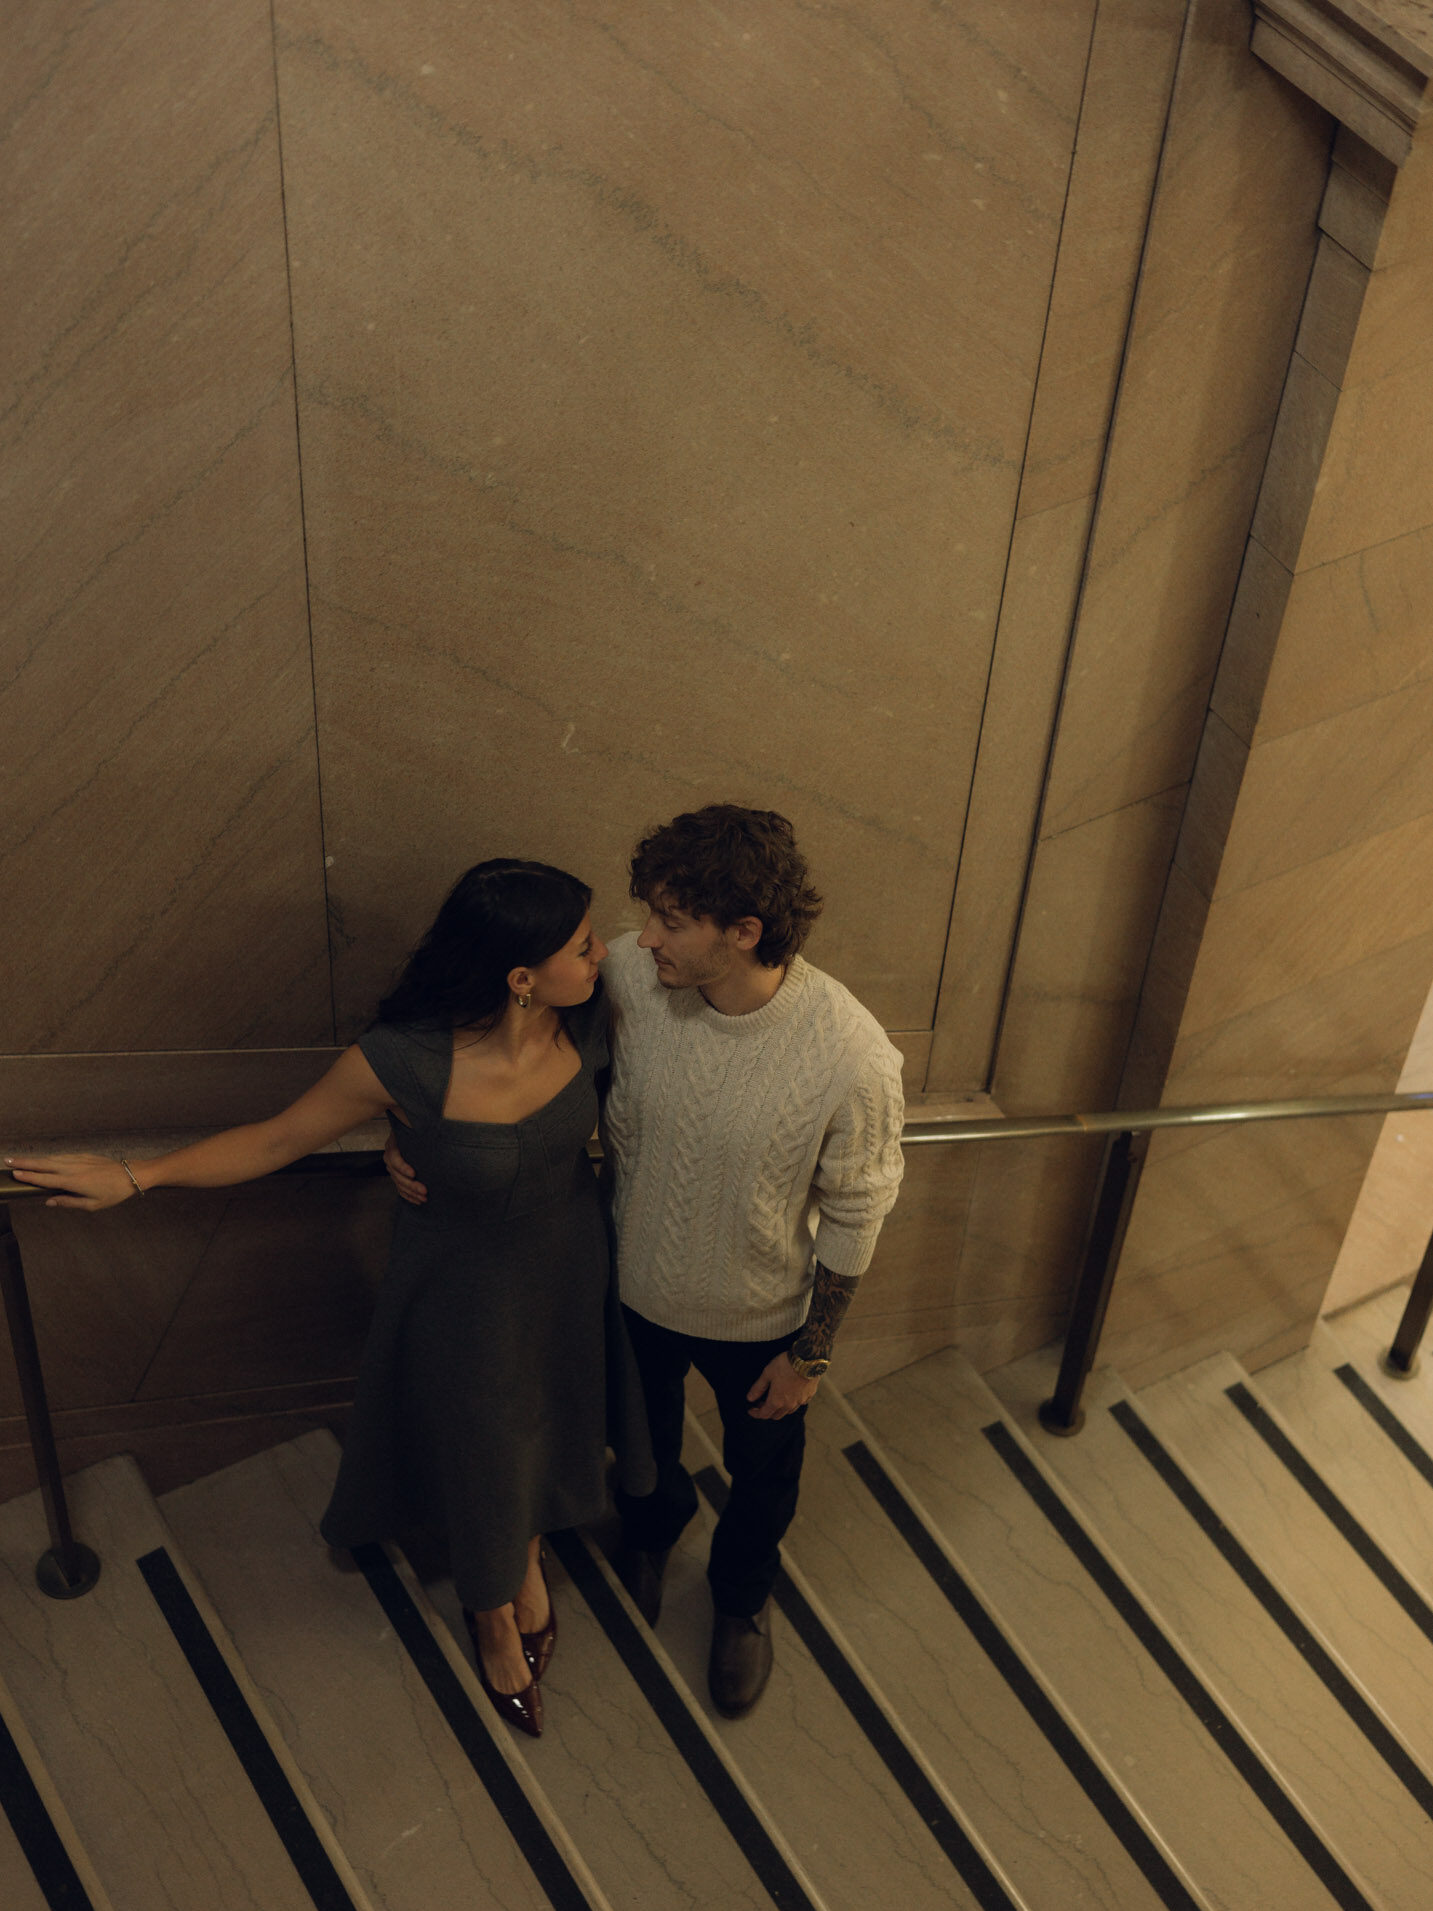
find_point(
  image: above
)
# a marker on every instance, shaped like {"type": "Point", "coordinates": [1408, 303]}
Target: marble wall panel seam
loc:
{"type": "Point", "coordinates": [1135, 1029]}
{"type": "Point", "coordinates": [1050, 292]}
{"type": "Point", "coordinates": [1194, 1038]}
{"type": "Point", "coordinates": [1016, 521]}
{"type": "Point", "coordinates": [1251, 637]}
{"type": "Point", "coordinates": [1052, 738]}
{"type": "Point", "coordinates": [325, 859]}
{"type": "Point", "coordinates": [1213, 795]}
{"type": "Point", "coordinates": [1376, 544]}
{"type": "Point", "coordinates": [181, 1299]}
{"type": "Point", "coordinates": [1116, 809]}
{"type": "Point", "coordinates": [1327, 717]}
{"type": "Point", "coordinates": [984, 846]}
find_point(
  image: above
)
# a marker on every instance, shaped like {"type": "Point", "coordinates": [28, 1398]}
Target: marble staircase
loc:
{"type": "Point", "coordinates": [1182, 1660]}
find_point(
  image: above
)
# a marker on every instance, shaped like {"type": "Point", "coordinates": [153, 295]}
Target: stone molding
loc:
{"type": "Point", "coordinates": [1369, 65]}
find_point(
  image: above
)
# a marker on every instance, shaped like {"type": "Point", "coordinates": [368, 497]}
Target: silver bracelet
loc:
{"type": "Point", "coordinates": [130, 1172]}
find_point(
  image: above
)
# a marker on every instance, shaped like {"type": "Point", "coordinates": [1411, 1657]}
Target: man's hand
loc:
{"type": "Point", "coordinates": [402, 1176]}
{"type": "Point", "coordinates": [781, 1390]}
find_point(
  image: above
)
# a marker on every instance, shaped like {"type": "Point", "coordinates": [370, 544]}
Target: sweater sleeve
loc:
{"type": "Point", "coordinates": [858, 1173]}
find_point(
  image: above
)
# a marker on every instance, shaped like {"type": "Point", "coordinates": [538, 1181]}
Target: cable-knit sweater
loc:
{"type": "Point", "coordinates": [744, 1147]}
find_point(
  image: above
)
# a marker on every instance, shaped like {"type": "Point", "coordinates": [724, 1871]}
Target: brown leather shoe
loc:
{"type": "Point", "coordinates": [740, 1662]}
{"type": "Point", "coordinates": [641, 1573]}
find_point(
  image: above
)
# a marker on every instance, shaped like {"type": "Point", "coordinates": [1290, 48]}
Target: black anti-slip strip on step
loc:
{"type": "Point", "coordinates": [35, 1832]}
{"type": "Point", "coordinates": [1166, 1655]}
{"type": "Point", "coordinates": [1324, 1667]}
{"type": "Point", "coordinates": [1387, 1420]}
{"type": "Point", "coordinates": [1158, 1872]}
{"type": "Point", "coordinates": [1333, 1508]}
{"type": "Point", "coordinates": [243, 1732]}
{"type": "Point", "coordinates": [518, 1813]}
{"type": "Point", "coordinates": [887, 1743]}
{"type": "Point", "coordinates": [754, 1841]}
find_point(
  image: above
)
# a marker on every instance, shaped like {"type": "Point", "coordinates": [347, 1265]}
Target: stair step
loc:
{"type": "Point", "coordinates": [648, 1830]}
{"type": "Point", "coordinates": [1105, 1648]}
{"type": "Point", "coordinates": [408, 1807]}
{"type": "Point", "coordinates": [801, 1751]}
{"type": "Point", "coordinates": [1012, 1786]}
{"type": "Point", "coordinates": [1274, 1518]}
{"type": "Point", "coordinates": [169, 1815]}
{"type": "Point", "coordinates": [1261, 1675]}
{"type": "Point", "coordinates": [43, 1866]}
{"type": "Point", "coordinates": [1386, 1493]}
{"type": "Point", "coordinates": [1366, 1333]}
{"type": "Point", "coordinates": [19, 1888]}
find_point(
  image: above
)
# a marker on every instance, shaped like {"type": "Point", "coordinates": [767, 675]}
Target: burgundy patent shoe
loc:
{"type": "Point", "coordinates": [522, 1709]}
{"type": "Point", "coordinates": [538, 1647]}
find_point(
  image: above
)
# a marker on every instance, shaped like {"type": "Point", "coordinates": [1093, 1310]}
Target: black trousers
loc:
{"type": "Point", "coordinates": [763, 1458]}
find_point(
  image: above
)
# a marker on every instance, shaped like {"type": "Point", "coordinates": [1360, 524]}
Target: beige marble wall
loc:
{"type": "Point", "coordinates": [161, 862]}
{"type": "Point", "coordinates": [1316, 957]}
{"type": "Point", "coordinates": [1122, 122]}
{"type": "Point", "coordinates": [1222, 272]}
{"type": "Point", "coordinates": [661, 439]}
{"type": "Point", "coordinates": [1390, 1225]}
{"type": "Point", "coordinates": [1243, 169]}
{"type": "Point", "coordinates": [1332, 305]}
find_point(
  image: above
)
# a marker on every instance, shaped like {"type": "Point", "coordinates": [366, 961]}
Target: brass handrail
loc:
{"type": "Point", "coordinates": [70, 1568]}
{"type": "Point", "coordinates": [1117, 1121]}
{"type": "Point", "coordinates": [958, 1128]}
{"type": "Point", "coordinates": [341, 1161]}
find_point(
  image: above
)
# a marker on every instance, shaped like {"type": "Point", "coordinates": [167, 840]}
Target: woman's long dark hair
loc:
{"type": "Point", "coordinates": [499, 916]}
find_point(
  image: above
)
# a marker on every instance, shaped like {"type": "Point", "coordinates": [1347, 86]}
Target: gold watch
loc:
{"type": "Point", "coordinates": [807, 1369]}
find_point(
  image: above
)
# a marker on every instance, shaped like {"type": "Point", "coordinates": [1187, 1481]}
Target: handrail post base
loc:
{"type": "Point", "coordinates": [1052, 1421]}
{"type": "Point", "coordinates": [56, 1583]}
{"type": "Point", "coordinates": [1395, 1369]}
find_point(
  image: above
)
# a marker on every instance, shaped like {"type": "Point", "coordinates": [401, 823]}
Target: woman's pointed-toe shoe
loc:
{"type": "Point", "coordinates": [538, 1647]}
{"type": "Point", "coordinates": [522, 1709]}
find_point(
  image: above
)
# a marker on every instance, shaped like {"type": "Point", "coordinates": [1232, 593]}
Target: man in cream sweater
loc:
{"type": "Point", "coordinates": [753, 1129]}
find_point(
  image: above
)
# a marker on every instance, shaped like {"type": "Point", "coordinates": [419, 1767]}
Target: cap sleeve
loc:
{"type": "Point", "coordinates": [410, 1065]}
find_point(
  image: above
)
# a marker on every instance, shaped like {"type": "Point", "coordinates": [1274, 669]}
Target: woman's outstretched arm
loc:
{"type": "Point", "coordinates": [347, 1096]}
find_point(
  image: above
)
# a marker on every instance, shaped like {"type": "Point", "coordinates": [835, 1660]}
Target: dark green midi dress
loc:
{"type": "Point", "coordinates": [497, 1369]}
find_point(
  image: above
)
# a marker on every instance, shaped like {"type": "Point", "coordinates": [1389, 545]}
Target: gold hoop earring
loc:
{"type": "Point", "coordinates": [523, 1001]}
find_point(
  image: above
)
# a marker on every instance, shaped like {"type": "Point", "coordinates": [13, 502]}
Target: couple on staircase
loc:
{"type": "Point", "coordinates": [750, 1110]}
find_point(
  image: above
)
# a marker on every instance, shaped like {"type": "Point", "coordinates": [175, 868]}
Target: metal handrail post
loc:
{"type": "Point", "coordinates": [1119, 1177]}
{"type": "Point", "coordinates": [68, 1568]}
{"type": "Point", "coordinates": [1401, 1360]}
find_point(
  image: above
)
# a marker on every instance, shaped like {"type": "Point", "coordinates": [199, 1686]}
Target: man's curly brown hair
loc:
{"type": "Point", "coordinates": [727, 862]}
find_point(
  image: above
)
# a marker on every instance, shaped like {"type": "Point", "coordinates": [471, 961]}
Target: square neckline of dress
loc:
{"type": "Point", "coordinates": [461, 1121]}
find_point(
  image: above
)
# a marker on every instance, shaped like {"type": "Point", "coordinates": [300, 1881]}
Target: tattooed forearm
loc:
{"type": "Point", "coordinates": [830, 1297]}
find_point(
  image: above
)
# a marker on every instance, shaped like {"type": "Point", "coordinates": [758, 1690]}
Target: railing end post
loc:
{"type": "Point", "coordinates": [1053, 1421]}
{"type": "Point", "coordinates": [1393, 1366]}
{"type": "Point", "coordinates": [60, 1580]}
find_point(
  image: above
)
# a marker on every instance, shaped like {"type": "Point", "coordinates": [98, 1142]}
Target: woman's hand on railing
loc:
{"type": "Point", "coordinates": [90, 1182]}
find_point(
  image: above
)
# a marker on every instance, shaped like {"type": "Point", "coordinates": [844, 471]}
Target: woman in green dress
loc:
{"type": "Point", "coordinates": [496, 1371]}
